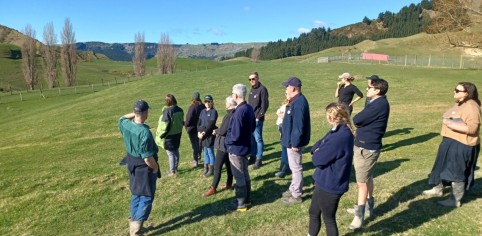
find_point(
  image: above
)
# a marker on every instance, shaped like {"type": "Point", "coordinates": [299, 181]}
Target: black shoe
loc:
{"type": "Point", "coordinates": [280, 174]}
{"type": "Point", "coordinates": [234, 207]}
{"type": "Point", "coordinates": [257, 164]}
{"type": "Point", "coordinates": [252, 160]}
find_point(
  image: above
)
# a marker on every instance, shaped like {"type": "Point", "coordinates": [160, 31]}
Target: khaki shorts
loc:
{"type": "Point", "coordinates": [364, 160]}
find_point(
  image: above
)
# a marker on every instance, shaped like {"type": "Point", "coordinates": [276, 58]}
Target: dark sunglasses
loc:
{"type": "Point", "coordinates": [458, 91]}
{"type": "Point", "coordinates": [251, 79]}
{"type": "Point", "coordinates": [208, 101]}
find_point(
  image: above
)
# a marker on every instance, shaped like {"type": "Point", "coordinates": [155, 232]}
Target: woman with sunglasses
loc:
{"type": "Point", "coordinates": [457, 154]}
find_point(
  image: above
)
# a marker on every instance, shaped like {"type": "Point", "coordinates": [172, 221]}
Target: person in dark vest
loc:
{"type": "Point", "coordinates": [142, 166]}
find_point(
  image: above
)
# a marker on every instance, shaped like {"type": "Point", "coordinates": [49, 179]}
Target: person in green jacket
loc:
{"type": "Point", "coordinates": [169, 131]}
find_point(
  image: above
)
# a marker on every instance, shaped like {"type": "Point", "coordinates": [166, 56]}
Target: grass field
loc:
{"type": "Point", "coordinates": [59, 173]}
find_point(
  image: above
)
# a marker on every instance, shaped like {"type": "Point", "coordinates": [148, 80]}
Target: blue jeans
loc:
{"type": "Point", "coordinates": [141, 205]}
{"type": "Point", "coordinates": [209, 155]}
{"type": "Point", "coordinates": [257, 140]}
{"type": "Point", "coordinates": [284, 155]}
{"type": "Point", "coordinates": [173, 156]}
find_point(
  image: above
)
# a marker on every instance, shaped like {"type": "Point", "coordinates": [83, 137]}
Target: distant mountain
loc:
{"type": "Point", "coordinates": [124, 51]}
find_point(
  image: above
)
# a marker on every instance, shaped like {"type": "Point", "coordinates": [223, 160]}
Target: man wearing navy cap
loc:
{"type": "Point", "coordinates": [296, 135]}
{"type": "Point", "coordinates": [142, 166]}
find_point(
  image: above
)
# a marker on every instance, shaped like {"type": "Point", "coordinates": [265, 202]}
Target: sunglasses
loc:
{"type": "Point", "coordinates": [208, 101]}
{"type": "Point", "coordinates": [458, 91]}
{"type": "Point", "coordinates": [251, 79]}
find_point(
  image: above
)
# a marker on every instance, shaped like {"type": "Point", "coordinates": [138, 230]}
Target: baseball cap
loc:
{"type": "Point", "coordinates": [292, 81]}
{"type": "Point", "coordinates": [373, 77]}
{"type": "Point", "coordinates": [208, 98]}
{"type": "Point", "coordinates": [141, 106]}
{"type": "Point", "coordinates": [345, 75]}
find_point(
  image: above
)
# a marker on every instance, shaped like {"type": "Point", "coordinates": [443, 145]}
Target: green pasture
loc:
{"type": "Point", "coordinates": [59, 172]}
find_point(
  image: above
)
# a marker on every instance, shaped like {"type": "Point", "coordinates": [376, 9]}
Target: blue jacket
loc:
{"type": "Point", "coordinates": [333, 157]}
{"type": "Point", "coordinates": [240, 129]}
{"type": "Point", "coordinates": [371, 124]}
{"type": "Point", "coordinates": [296, 123]}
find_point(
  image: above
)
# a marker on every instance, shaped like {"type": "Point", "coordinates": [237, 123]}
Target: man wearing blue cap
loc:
{"type": "Point", "coordinates": [142, 166]}
{"type": "Point", "coordinates": [296, 135]}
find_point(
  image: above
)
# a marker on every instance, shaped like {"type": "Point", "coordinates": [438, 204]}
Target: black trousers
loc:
{"type": "Point", "coordinates": [195, 145]}
{"type": "Point", "coordinates": [323, 204]}
{"type": "Point", "coordinates": [221, 158]}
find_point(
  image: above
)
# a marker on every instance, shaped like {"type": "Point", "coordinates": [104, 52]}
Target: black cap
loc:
{"type": "Point", "coordinates": [208, 98]}
{"type": "Point", "coordinates": [141, 106]}
{"type": "Point", "coordinates": [373, 77]}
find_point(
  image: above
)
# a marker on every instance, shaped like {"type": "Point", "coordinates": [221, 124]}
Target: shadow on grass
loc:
{"type": "Point", "coordinates": [409, 141]}
{"type": "Point", "coordinates": [418, 212]}
{"type": "Point", "coordinates": [398, 131]}
{"type": "Point", "coordinates": [268, 193]}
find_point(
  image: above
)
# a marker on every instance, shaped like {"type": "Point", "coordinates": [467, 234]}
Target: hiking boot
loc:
{"type": "Point", "coordinates": [210, 192]}
{"type": "Point", "coordinates": [257, 164]}
{"type": "Point", "coordinates": [359, 217]}
{"type": "Point", "coordinates": [458, 190]}
{"type": "Point", "coordinates": [280, 174]}
{"type": "Point", "coordinates": [292, 200]}
{"type": "Point", "coordinates": [205, 171]}
{"type": "Point", "coordinates": [210, 171]}
{"type": "Point", "coordinates": [286, 194]}
{"type": "Point", "coordinates": [252, 160]}
{"type": "Point", "coordinates": [368, 208]}
{"type": "Point", "coordinates": [436, 191]}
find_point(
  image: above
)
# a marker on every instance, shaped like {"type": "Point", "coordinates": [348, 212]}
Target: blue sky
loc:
{"type": "Point", "coordinates": [190, 21]}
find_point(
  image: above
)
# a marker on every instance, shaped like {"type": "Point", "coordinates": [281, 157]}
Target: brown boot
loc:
{"type": "Point", "coordinates": [210, 192]}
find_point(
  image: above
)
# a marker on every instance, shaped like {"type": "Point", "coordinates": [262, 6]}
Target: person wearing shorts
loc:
{"type": "Point", "coordinates": [371, 125]}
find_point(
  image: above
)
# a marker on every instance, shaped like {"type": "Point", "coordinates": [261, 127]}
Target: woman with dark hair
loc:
{"type": "Point", "coordinates": [169, 130]}
{"type": "Point", "coordinates": [222, 156]}
{"type": "Point", "coordinates": [457, 154]}
{"type": "Point", "coordinates": [332, 157]}
{"type": "Point", "coordinates": [345, 91]}
{"type": "Point", "coordinates": [192, 117]}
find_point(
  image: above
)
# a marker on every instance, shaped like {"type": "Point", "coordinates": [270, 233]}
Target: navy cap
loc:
{"type": "Point", "coordinates": [373, 77]}
{"type": "Point", "coordinates": [141, 106]}
{"type": "Point", "coordinates": [292, 81]}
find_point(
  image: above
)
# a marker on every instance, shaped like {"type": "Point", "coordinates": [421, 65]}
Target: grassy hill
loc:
{"type": "Point", "coordinates": [59, 172]}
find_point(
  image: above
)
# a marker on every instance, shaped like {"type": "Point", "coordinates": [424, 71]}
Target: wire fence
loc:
{"type": "Point", "coordinates": [17, 95]}
{"type": "Point", "coordinates": [461, 62]}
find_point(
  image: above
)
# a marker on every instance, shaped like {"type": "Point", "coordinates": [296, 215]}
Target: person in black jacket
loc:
{"type": "Point", "coordinates": [332, 157]}
{"type": "Point", "coordinates": [258, 99]}
{"type": "Point", "coordinates": [192, 117]}
{"type": "Point", "coordinates": [296, 135]}
{"type": "Point", "coordinates": [222, 156]}
{"type": "Point", "coordinates": [371, 125]}
{"type": "Point", "coordinates": [205, 127]}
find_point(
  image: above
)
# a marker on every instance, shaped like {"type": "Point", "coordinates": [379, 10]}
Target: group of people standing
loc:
{"type": "Point", "coordinates": [238, 142]}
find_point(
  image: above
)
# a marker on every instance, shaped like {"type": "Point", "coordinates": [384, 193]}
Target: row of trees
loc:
{"type": "Point", "coordinates": [406, 22]}
{"type": "Point", "coordinates": [50, 57]}
{"type": "Point", "coordinates": [66, 56]}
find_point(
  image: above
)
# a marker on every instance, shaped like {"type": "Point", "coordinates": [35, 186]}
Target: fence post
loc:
{"type": "Point", "coordinates": [92, 85]}
{"type": "Point", "coordinates": [59, 90]}
{"type": "Point", "coordinates": [75, 89]}
{"type": "Point", "coordinates": [461, 62]}
{"type": "Point", "coordinates": [429, 59]}
{"type": "Point", "coordinates": [21, 98]}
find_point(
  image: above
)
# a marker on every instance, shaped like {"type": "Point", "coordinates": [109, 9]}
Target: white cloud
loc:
{"type": "Point", "coordinates": [319, 23]}
{"type": "Point", "coordinates": [303, 30]}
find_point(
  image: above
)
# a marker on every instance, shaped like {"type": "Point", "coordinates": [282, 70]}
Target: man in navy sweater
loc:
{"type": "Point", "coordinates": [296, 135]}
{"type": "Point", "coordinates": [371, 125]}
{"type": "Point", "coordinates": [238, 145]}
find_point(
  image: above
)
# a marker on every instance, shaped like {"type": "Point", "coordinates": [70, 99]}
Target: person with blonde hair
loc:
{"type": "Point", "coordinates": [346, 90]}
{"type": "Point", "coordinates": [284, 166]}
{"type": "Point", "coordinates": [332, 157]}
